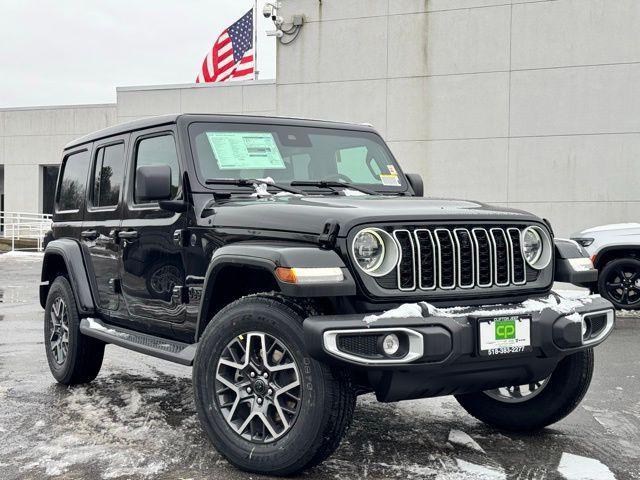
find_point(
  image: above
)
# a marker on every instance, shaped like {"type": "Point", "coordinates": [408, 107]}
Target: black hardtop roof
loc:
{"type": "Point", "coordinates": [150, 122]}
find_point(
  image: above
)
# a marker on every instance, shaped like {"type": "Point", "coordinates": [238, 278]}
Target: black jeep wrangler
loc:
{"type": "Point", "coordinates": [295, 266]}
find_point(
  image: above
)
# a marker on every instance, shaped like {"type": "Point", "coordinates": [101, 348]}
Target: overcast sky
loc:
{"type": "Point", "coordinates": [78, 51]}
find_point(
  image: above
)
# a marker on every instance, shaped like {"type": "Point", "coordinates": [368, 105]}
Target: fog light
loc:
{"type": "Point", "coordinates": [585, 328]}
{"type": "Point", "coordinates": [390, 344]}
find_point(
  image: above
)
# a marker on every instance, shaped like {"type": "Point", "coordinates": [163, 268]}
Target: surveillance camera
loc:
{"type": "Point", "coordinates": [267, 11]}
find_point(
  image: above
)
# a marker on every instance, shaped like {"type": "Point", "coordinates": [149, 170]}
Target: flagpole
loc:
{"type": "Point", "coordinates": [255, 40]}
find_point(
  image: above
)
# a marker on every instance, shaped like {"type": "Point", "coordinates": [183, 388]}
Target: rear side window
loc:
{"type": "Point", "coordinates": [108, 175]}
{"type": "Point", "coordinates": [73, 181]}
{"type": "Point", "coordinates": [160, 150]}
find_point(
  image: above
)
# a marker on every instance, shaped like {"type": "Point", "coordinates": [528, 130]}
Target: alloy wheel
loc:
{"type": "Point", "coordinates": [258, 387]}
{"type": "Point", "coordinates": [518, 393]}
{"type": "Point", "coordinates": [623, 285]}
{"type": "Point", "coordinates": [59, 323]}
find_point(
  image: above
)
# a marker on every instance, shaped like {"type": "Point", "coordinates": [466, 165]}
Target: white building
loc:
{"type": "Point", "coordinates": [531, 104]}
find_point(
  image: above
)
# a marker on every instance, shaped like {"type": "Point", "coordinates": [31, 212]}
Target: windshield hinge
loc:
{"type": "Point", "coordinates": [329, 235]}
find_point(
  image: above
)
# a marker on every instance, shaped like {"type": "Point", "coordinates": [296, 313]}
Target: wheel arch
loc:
{"type": "Point", "coordinates": [615, 252]}
{"type": "Point", "coordinates": [244, 269]}
{"type": "Point", "coordinates": [64, 257]}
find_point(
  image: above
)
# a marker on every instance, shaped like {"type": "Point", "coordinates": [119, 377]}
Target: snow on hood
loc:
{"type": "Point", "coordinates": [554, 301]}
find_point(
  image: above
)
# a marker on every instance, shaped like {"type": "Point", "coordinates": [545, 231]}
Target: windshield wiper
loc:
{"type": "Point", "coordinates": [250, 182]}
{"type": "Point", "coordinates": [332, 184]}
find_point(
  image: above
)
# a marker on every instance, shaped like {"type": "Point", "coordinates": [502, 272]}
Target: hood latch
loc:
{"type": "Point", "coordinates": [329, 235]}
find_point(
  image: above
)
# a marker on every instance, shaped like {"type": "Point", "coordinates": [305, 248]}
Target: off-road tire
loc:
{"type": "Point", "coordinates": [567, 386]}
{"type": "Point", "coordinates": [84, 356]}
{"type": "Point", "coordinates": [327, 400]}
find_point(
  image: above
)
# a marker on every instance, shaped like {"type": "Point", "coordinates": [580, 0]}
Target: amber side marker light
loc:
{"type": "Point", "coordinates": [309, 275]}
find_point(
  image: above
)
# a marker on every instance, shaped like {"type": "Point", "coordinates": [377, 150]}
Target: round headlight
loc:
{"type": "Point", "coordinates": [368, 248]}
{"type": "Point", "coordinates": [531, 245]}
{"type": "Point", "coordinates": [375, 251]}
{"type": "Point", "coordinates": [536, 247]}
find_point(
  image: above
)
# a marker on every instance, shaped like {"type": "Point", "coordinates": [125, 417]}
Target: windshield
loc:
{"type": "Point", "coordinates": [290, 153]}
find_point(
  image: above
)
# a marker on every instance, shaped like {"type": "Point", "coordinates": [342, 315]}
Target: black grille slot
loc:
{"type": "Point", "coordinates": [598, 322]}
{"type": "Point", "coordinates": [501, 259]}
{"type": "Point", "coordinates": [360, 345]}
{"type": "Point", "coordinates": [466, 258]}
{"type": "Point", "coordinates": [483, 252]}
{"type": "Point", "coordinates": [446, 257]}
{"type": "Point", "coordinates": [518, 268]}
{"type": "Point", "coordinates": [427, 259]}
{"type": "Point", "coordinates": [406, 271]}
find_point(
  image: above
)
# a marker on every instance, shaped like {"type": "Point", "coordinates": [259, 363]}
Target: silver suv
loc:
{"type": "Point", "coordinates": [615, 251]}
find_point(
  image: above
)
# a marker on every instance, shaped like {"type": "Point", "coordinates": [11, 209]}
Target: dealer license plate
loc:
{"type": "Point", "coordinates": [505, 335]}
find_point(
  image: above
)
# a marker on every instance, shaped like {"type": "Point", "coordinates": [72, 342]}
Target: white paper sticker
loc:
{"type": "Point", "coordinates": [389, 180]}
{"type": "Point", "coordinates": [245, 150]}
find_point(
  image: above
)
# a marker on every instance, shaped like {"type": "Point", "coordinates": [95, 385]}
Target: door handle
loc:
{"type": "Point", "coordinates": [89, 234]}
{"type": "Point", "coordinates": [128, 234]}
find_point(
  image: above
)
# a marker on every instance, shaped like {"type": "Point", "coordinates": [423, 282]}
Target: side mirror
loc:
{"type": "Point", "coordinates": [153, 183]}
{"type": "Point", "coordinates": [415, 180]}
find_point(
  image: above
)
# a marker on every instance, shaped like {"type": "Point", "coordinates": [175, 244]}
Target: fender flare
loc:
{"type": "Point", "coordinates": [612, 248]}
{"type": "Point", "coordinates": [70, 252]}
{"type": "Point", "coordinates": [267, 257]}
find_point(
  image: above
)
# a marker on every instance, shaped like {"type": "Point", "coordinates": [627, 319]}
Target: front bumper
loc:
{"type": "Point", "coordinates": [442, 348]}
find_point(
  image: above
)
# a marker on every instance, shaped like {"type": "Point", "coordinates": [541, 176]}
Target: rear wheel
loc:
{"type": "Point", "coordinates": [73, 357]}
{"type": "Point", "coordinates": [619, 282]}
{"type": "Point", "coordinates": [538, 404]}
{"type": "Point", "coordinates": [265, 405]}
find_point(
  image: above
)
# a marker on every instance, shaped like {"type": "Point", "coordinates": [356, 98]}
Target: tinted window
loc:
{"type": "Point", "coordinates": [159, 150]}
{"type": "Point", "coordinates": [356, 164]}
{"type": "Point", "coordinates": [108, 175]}
{"type": "Point", "coordinates": [73, 181]}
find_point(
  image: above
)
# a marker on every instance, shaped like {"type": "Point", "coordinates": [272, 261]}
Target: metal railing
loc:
{"type": "Point", "coordinates": [24, 229]}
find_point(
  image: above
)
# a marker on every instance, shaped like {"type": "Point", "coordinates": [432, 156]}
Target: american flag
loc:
{"type": "Point", "coordinates": [232, 54]}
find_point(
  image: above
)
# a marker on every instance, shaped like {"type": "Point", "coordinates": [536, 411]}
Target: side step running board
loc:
{"type": "Point", "coordinates": [177, 352]}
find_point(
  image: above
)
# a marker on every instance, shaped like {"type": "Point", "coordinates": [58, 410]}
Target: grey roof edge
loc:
{"type": "Point", "coordinates": [58, 107]}
{"type": "Point", "coordinates": [182, 86]}
{"type": "Point", "coordinates": [159, 120]}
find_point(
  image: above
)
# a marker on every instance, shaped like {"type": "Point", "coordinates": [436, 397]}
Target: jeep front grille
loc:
{"type": "Point", "coordinates": [448, 258]}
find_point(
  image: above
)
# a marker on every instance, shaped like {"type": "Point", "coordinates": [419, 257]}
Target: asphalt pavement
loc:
{"type": "Point", "coordinates": [137, 419]}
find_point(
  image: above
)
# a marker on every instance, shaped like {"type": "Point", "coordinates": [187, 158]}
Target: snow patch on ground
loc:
{"type": "Point", "coordinates": [462, 439]}
{"type": "Point", "coordinates": [18, 255]}
{"type": "Point", "coordinates": [480, 472]}
{"type": "Point", "coordinates": [575, 467]}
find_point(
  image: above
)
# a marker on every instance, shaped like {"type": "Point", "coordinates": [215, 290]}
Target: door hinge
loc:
{"type": "Point", "coordinates": [114, 284]}
{"type": "Point", "coordinates": [180, 294]}
{"type": "Point", "coordinates": [329, 235]}
{"type": "Point", "coordinates": [181, 237]}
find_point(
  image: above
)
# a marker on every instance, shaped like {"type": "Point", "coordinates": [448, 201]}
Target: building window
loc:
{"type": "Point", "coordinates": [49, 179]}
{"type": "Point", "coordinates": [108, 174]}
{"type": "Point", "coordinates": [74, 178]}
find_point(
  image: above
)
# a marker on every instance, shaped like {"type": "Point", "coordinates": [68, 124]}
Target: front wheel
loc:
{"type": "Point", "coordinates": [619, 282]}
{"type": "Point", "coordinates": [535, 405]}
{"type": "Point", "coordinates": [265, 405]}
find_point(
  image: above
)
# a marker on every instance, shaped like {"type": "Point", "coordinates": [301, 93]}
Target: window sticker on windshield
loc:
{"type": "Point", "coordinates": [392, 170]}
{"type": "Point", "coordinates": [245, 150]}
{"type": "Point", "coordinates": [389, 180]}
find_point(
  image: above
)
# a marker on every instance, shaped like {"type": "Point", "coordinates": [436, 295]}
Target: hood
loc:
{"type": "Point", "coordinates": [616, 228]}
{"type": "Point", "coordinates": [308, 214]}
